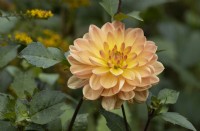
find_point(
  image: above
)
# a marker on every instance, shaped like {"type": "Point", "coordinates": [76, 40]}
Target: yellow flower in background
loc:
{"type": "Point", "coordinates": [114, 63]}
{"type": "Point", "coordinates": [22, 37]}
{"type": "Point", "coordinates": [52, 39]}
{"type": "Point", "coordinates": [77, 3]}
{"type": "Point", "coordinates": [39, 14]}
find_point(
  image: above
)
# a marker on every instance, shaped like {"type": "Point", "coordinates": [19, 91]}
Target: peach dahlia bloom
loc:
{"type": "Point", "coordinates": [115, 64]}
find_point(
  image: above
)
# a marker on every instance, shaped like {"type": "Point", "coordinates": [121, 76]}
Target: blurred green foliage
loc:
{"type": "Point", "coordinates": [173, 24]}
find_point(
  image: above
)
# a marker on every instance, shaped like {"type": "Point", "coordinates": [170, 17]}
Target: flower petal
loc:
{"type": "Point", "coordinates": [142, 88]}
{"type": "Point", "coordinates": [154, 80]}
{"type": "Point", "coordinates": [75, 83]}
{"type": "Point", "coordinates": [141, 96]}
{"type": "Point", "coordinates": [121, 83]}
{"type": "Point", "coordinates": [72, 60]}
{"type": "Point", "coordinates": [143, 71]}
{"type": "Point", "coordinates": [81, 69]}
{"type": "Point", "coordinates": [100, 70]}
{"type": "Point", "coordinates": [95, 82]}
{"type": "Point", "coordinates": [108, 27]}
{"type": "Point", "coordinates": [91, 94]}
{"type": "Point", "coordinates": [116, 72]}
{"type": "Point", "coordinates": [111, 91]}
{"type": "Point", "coordinates": [128, 74]}
{"type": "Point", "coordinates": [109, 103]}
{"type": "Point", "coordinates": [150, 46]}
{"type": "Point", "coordinates": [108, 80]}
{"type": "Point", "coordinates": [127, 87]}
{"type": "Point", "coordinates": [158, 67]}
{"type": "Point", "coordinates": [97, 61]}
{"type": "Point", "coordinates": [96, 34]}
{"type": "Point", "coordinates": [131, 35]}
{"type": "Point", "coordinates": [126, 95]}
{"type": "Point", "coordinates": [118, 25]}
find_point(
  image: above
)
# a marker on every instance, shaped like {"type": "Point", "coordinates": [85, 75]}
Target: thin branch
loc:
{"type": "Point", "coordinates": [75, 114]}
{"type": "Point", "coordinates": [150, 117]}
{"type": "Point", "coordinates": [119, 6]}
{"type": "Point", "coordinates": [125, 120]}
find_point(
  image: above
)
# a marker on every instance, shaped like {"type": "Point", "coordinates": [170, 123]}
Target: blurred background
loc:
{"type": "Point", "coordinates": [173, 24]}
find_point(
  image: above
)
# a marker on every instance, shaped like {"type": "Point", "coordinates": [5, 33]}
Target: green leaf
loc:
{"type": "Point", "coordinates": [7, 107]}
{"type": "Point", "coordinates": [23, 82]}
{"type": "Point", "coordinates": [176, 118]}
{"type": "Point", "coordinates": [133, 15]}
{"type": "Point", "coordinates": [66, 116]}
{"type": "Point", "coordinates": [81, 122]}
{"type": "Point", "coordinates": [46, 106]}
{"type": "Point", "coordinates": [7, 26]}
{"type": "Point", "coordinates": [6, 126]}
{"type": "Point", "coordinates": [159, 51]}
{"type": "Point", "coordinates": [34, 127]}
{"type": "Point", "coordinates": [168, 96]}
{"type": "Point", "coordinates": [120, 16]}
{"type": "Point", "coordinates": [5, 80]}
{"type": "Point", "coordinates": [21, 111]}
{"type": "Point", "coordinates": [56, 53]}
{"type": "Point", "coordinates": [4, 100]}
{"type": "Point", "coordinates": [110, 6]}
{"type": "Point", "coordinates": [49, 78]}
{"type": "Point", "coordinates": [36, 54]}
{"type": "Point", "coordinates": [114, 121]}
{"type": "Point", "coordinates": [7, 54]}
{"type": "Point", "coordinates": [55, 125]}
{"type": "Point", "coordinates": [13, 70]}
{"type": "Point", "coordinates": [48, 114]}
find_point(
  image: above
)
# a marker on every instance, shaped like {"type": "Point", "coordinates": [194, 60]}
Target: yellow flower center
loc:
{"type": "Point", "coordinates": [116, 58]}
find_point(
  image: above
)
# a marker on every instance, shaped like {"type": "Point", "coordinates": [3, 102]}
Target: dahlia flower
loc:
{"type": "Point", "coordinates": [115, 64]}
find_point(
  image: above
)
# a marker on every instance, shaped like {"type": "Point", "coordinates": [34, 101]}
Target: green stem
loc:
{"type": "Point", "coordinates": [119, 6]}
{"type": "Point", "coordinates": [75, 114]}
{"type": "Point", "coordinates": [125, 120]}
{"type": "Point", "coordinates": [150, 117]}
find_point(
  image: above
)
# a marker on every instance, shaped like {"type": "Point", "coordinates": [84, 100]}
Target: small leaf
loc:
{"type": "Point", "coordinates": [120, 16]}
{"type": "Point", "coordinates": [40, 56]}
{"type": "Point", "coordinates": [164, 109]}
{"type": "Point", "coordinates": [114, 121]}
{"type": "Point", "coordinates": [23, 82]}
{"type": "Point", "coordinates": [13, 70]}
{"type": "Point", "coordinates": [7, 54]}
{"type": "Point", "coordinates": [168, 96]}
{"type": "Point", "coordinates": [110, 6]}
{"type": "Point", "coordinates": [158, 51]}
{"type": "Point", "coordinates": [21, 111]}
{"type": "Point", "coordinates": [46, 106]}
{"type": "Point", "coordinates": [176, 118]}
{"type": "Point", "coordinates": [135, 15]}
